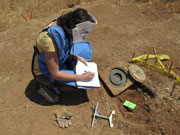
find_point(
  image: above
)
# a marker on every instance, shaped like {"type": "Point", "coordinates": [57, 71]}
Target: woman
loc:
{"type": "Point", "coordinates": [53, 62]}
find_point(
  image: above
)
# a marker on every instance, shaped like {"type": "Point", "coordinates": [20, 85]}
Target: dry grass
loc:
{"type": "Point", "coordinates": [173, 6]}
{"type": "Point", "coordinates": [169, 5]}
{"type": "Point", "coordinates": [14, 12]}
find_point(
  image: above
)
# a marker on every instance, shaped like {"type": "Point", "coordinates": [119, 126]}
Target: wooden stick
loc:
{"type": "Point", "coordinates": [155, 53]}
{"type": "Point", "coordinates": [24, 17]}
{"type": "Point", "coordinates": [146, 58]}
{"type": "Point", "coordinates": [133, 55]}
{"type": "Point", "coordinates": [170, 68]}
{"type": "Point", "coordinates": [166, 66]}
{"type": "Point", "coordinates": [30, 17]}
{"type": "Point", "coordinates": [173, 89]}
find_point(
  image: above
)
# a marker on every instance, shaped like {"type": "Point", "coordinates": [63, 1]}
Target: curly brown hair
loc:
{"type": "Point", "coordinates": [68, 21]}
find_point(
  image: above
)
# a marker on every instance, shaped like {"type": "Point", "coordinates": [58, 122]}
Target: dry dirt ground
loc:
{"type": "Point", "coordinates": [124, 27]}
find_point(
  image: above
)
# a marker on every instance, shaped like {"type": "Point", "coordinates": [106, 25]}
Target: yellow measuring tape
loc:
{"type": "Point", "coordinates": [143, 60]}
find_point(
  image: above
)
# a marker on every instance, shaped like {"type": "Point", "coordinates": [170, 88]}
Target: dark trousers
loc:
{"type": "Point", "coordinates": [41, 79]}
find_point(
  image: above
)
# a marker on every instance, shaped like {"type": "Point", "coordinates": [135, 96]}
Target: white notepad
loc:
{"type": "Point", "coordinates": [81, 69]}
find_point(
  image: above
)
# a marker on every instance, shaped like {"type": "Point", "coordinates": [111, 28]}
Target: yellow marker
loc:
{"type": "Point", "coordinates": [143, 61]}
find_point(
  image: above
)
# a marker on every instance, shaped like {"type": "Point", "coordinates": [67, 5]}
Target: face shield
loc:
{"type": "Point", "coordinates": [82, 29]}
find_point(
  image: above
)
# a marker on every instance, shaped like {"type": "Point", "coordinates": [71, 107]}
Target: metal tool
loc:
{"type": "Point", "coordinates": [93, 110]}
{"type": "Point", "coordinates": [96, 115]}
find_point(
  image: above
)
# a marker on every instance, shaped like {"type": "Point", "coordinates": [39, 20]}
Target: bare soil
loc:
{"type": "Point", "coordinates": [124, 27]}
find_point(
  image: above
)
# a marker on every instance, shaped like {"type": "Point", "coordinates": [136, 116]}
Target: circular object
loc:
{"type": "Point", "coordinates": [137, 73]}
{"type": "Point", "coordinates": [117, 76]}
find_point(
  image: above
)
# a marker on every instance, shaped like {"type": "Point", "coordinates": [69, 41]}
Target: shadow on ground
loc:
{"type": "Point", "coordinates": [66, 98]}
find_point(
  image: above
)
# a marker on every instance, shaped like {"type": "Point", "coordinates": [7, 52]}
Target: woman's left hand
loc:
{"type": "Point", "coordinates": [82, 60]}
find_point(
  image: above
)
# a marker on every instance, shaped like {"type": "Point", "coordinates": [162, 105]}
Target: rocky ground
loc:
{"type": "Point", "coordinates": [124, 28]}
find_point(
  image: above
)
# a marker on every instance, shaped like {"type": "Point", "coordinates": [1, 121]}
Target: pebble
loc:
{"type": "Point", "coordinates": [168, 89]}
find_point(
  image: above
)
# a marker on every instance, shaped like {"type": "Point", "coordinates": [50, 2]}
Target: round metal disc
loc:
{"type": "Point", "coordinates": [117, 76]}
{"type": "Point", "coordinates": [137, 73]}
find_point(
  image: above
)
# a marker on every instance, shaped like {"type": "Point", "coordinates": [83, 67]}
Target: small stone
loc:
{"type": "Point", "coordinates": [167, 89]}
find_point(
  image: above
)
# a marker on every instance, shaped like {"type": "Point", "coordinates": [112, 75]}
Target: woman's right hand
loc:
{"type": "Point", "coordinates": [87, 76]}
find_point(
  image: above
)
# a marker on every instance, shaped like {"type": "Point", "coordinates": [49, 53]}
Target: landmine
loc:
{"type": "Point", "coordinates": [119, 77]}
